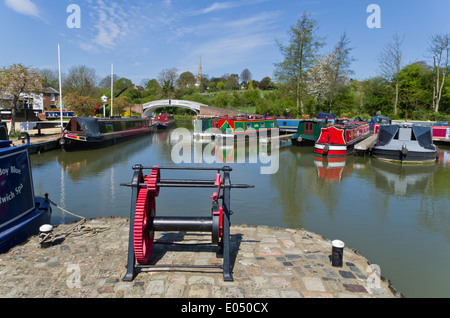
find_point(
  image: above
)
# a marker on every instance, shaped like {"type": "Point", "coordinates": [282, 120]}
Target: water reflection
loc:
{"type": "Point", "coordinates": [403, 179]}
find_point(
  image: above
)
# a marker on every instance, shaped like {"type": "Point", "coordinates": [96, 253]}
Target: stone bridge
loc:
{"type": "Point", "coordinates": [200, 109]}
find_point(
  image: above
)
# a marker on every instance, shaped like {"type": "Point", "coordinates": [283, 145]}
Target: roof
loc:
{"type": "Point", "coordinates": [50, 90]}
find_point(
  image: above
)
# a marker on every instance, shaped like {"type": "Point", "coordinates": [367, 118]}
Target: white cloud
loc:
{"type": "Point", "coordinates": [25, 7]}
{"type": "Point", "coordinates": [111, 25]}
{"type": "Point", "coordinates": [217, 6]}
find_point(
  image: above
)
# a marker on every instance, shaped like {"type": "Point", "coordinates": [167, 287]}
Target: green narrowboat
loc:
{"type": "Point", "coordinates": [308, 132]}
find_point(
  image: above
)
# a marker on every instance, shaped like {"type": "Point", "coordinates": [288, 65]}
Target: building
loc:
{"type": "Point", "coordinates": [33, 104]}
{"type": "Point", "coordinates": [50, 98]}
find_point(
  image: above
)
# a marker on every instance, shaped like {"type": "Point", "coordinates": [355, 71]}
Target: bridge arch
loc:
{"type": "Point", "coordinates": [150, 107]}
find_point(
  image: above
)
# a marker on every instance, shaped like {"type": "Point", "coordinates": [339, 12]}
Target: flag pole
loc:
{"type": "Point", "coordinates": [112, 89]}
{"type": "Point", "coordinates": [60, 89]}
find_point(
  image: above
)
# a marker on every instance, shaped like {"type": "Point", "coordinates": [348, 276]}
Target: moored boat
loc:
{"type": "Point", "coordinates": [241, 126]}
{"type": "Point", "coordinates": [405, 143]}
{"type": "Point", "coordinates": [308, 131]}
{"type": "Point", "coordinates": [288, 124]}
{"type": "Point", "coordinates": [163, 121]}
{"type": "Point", "coordinates": [21, 212]}
{"type": "Point", "coordinates": [441, 132]}
{"type": "Point", "coordinates": [83, 133]}
{"type": "Point", "coordinates": [339, 139]}
{"type": "Point", "coordinates": [376, 121]}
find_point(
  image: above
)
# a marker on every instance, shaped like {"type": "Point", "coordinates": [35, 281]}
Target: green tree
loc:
{"type": "Point", "coordinates": [415, 89]}
{"type": "Point", "coordinates": [15, 80]}
{"type": "Point", "coordinates": [298, 55]}
{"type": "Point", "coordinates": [340, 67]}
{"type": "Point", "coordinates": [186, 80]}
{"type": "Point", "coordinates": [82, 105]}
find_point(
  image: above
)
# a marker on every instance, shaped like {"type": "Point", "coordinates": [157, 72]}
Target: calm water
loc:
{"type": "Point", "coordinates": [397, 217]}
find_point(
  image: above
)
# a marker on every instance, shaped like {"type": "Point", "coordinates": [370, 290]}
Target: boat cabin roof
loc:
{"type": "Point", "coordinates": [406, 133]}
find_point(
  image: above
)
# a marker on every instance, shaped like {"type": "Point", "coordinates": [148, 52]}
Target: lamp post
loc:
{"type": "Point", "coordinates": [104, 100]}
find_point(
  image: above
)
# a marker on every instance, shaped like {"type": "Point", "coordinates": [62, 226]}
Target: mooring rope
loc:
{"type": "Point", "coordinates": [77, 230]}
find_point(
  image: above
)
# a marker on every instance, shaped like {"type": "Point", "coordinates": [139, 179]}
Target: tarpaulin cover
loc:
{"type": "Point", "coordinates": [386, 133]}
{"type": "Point", "coordinates": [90, 126]}
{"type": "Point", "coordinates": [424, 136]}
{"type": "Point", "coordinates": [325, 116]}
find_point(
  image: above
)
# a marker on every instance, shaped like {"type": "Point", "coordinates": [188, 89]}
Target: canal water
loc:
{"type": "Point", "coordinates": [398, 217]}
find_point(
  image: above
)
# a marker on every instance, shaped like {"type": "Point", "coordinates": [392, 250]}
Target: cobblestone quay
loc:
{"type": "Point", "coordinates": [267, 262]}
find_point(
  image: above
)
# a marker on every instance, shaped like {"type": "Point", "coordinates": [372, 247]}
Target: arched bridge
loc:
{"type": "Point", "coordinates": [150, 107]}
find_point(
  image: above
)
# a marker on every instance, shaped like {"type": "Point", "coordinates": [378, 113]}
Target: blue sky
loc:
{"type": "Point", "coordinates": [143, 37]}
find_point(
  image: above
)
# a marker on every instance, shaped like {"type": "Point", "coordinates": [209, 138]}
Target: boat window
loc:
{"type": "Point", "coordinates": [263, 125]}
{"type": "Point", "coordinates": [272, 124]}
{"type": "Point", "coordinates": [249, 126]}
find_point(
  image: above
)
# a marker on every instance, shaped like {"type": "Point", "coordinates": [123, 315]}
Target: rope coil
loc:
{"type": "Point", "coordinates": [77, 230]}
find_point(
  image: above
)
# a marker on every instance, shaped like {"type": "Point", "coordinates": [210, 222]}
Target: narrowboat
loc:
{"type": "Point", "coordinates": [83, 133]}
{"type": "Point", "coordinates": [240, 126]}
{"type": "Point", "coordinates": [288, 124]}
{"type": "Point", "coordinates": [328, 117]}
{"type": "Point", "coordinates": [163, 121]}
{"type": "Point", "coordinates": [203, 129]}
{"type": "Point", "coordinates": [340, 139]}
{"type": "Point", "coordinates": [21, 212]}
{"type": "Point", "coordinates": [405, 143]}
{"type": "Point", "coordinates": [376, 121]}
{"type": "Point", "coordinates": [308, 131]}
{"type": "Point", "coordinates": [441, 132]}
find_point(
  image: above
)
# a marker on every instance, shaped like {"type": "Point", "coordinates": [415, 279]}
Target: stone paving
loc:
{"type": "Point", "coordinates": [267, 263]}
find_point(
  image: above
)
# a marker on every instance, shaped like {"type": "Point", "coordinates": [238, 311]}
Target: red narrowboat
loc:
{"type": "Point", "coordinates": [339, 139]}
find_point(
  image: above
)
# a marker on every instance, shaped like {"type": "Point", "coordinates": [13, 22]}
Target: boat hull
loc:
{"type": "Point", "coordinates": [72, 144]}
{"type": "Point", "coordinates": [28, 225]}
{"type": "Point", "coordinates": [168, 125]}
{"type": "Point", "coordinates": [412, 157]}
{"type": "Point", "coordinates": [21, 212]}
{"type": "Point", "coordinates": [339, 140]}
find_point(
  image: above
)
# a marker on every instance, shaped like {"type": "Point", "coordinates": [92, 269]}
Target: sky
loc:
{"type": "Point", "coordinates": [141, 38]}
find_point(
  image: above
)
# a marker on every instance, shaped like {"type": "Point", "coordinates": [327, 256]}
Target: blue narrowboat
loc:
{"type": "Point", "coordinates": [21, 212]}
{"type": "Point", "coordinates": [288, 124]}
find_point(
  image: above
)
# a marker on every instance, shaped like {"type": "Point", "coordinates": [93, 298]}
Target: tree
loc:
{"type": "Point", "coordinates": [440, 49]}
{"type": "Point", "coordinates": [318, 79]}
{"type": "Point", "coordinates": [82, 105]}
{"type": "Point", "coordinates": [81, 80]}
{"type": "Point", "coordinates": [50, 78]}
{"type": "Point", "coordinates": [232, 82]}
{"type": "Point", "coordinates": [105, 83]}
{"type": "Point", "coordinates": [390, 64]}
{"type": "Point", "coordinates": [266, 84]}
{"type": "Point", "coordinates": [246, 76]}
{"type": "Point", "coordinates": [186, 80]}
{"type": "Point", "coordinates": [15, 80]}
{"type": "Point", "coordinates": [415, 89]}
{"type": "Point", "coordinates": [299, 55]}
{"type": "Point", "coordinates": [121, 84]}
{"type": "Point", "coordinates": [340, 61]}
{"type": "Point", "coordinates": [166, 80]}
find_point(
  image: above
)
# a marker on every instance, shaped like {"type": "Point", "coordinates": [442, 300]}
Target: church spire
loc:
{"type": "Point", "coordinates": [199, 75]}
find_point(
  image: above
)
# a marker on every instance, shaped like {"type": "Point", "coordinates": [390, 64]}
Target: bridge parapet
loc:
{"type": "Point", "coordinates": [200, 109]}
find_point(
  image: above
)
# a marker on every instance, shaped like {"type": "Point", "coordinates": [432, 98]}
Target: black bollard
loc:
{"type": "Point", "coordinates": [337, 253]}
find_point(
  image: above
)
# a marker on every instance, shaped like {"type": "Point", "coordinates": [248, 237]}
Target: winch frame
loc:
{"type": "Point", "coordinates": [218, 224]}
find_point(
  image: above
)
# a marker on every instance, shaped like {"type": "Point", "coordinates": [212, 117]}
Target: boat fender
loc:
{"type": "Point", "coordinates": [326, 148]}
{"type": "Point", "coordinates": [404, 150]}
{"type": "Point", "coordinates": [299, 139]}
